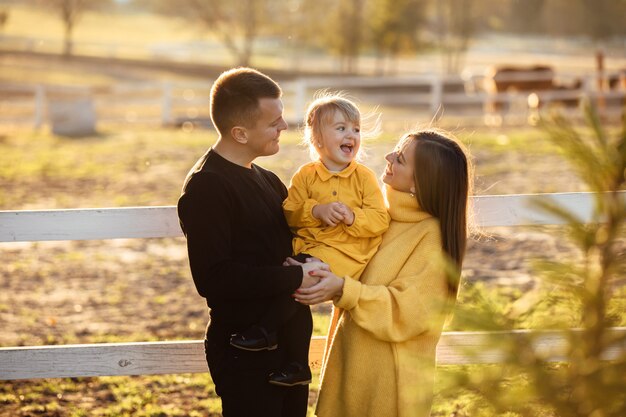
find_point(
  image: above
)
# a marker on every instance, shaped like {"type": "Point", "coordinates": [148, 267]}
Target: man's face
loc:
{"type": "Point", "coordinates": [263, 137]}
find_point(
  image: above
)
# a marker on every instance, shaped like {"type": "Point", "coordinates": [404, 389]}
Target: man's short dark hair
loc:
{"type": "Point", "coordinates": [235, 97]}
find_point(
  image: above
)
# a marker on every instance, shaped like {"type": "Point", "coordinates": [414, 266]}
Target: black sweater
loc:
{"type": "Point", "coordinates": [237, 239]}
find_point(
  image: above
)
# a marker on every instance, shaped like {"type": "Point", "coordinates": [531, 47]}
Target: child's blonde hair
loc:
{"type": "Point", "coordinates": [322, 109]}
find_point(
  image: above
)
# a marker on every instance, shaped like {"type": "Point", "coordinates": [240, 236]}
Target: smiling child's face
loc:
{"type": "Point", "coordinates": [339, 142]}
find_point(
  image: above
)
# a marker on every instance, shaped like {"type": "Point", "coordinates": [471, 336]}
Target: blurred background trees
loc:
{"type": "Point", "coordinates": [349, 29]}
{"type": "Point", "coordinates": [455, 23]}
{"type": "Point", "coordinates": [394, 30]}
{"type": "Point", "coordinates": [236, 24]}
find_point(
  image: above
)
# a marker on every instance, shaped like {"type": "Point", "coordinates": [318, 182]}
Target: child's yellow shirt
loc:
{"type": "Point", "coordinates": [347, 249]}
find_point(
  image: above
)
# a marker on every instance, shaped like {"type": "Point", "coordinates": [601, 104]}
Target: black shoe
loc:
{"type": "Point", "coordinates": [294, 374]}
{"type": "Point", "coordinates": [255, 338]}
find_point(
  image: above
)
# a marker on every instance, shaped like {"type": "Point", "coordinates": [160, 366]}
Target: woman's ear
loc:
{"type": "Point", "coordinates": [240, 134]}
{"type": "Point", "coordinates": [412, 189]}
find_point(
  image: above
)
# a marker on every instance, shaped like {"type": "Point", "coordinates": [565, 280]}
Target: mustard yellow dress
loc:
{"type": "Point", "coordinates": [347, 248]}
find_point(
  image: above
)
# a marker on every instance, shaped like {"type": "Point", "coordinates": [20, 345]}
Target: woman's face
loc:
{"type": "Point", "coordinates": [399, 171]}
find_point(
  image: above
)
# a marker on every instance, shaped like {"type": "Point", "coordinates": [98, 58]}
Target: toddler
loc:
{"type": "Point", "coordinates": [337, 213]}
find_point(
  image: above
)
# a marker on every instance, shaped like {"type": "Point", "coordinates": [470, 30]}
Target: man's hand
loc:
{"type": "Point", "coordinates": [331, 214]}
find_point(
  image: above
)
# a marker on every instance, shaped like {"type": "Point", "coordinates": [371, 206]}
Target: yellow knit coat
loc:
{"type": "Point", "coordinates": [382, 357]}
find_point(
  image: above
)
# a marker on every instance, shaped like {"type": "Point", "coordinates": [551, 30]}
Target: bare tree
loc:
{"type": "Point", "coordinates": [394, 28]}
{"type": "Point", "coordinates": [70, 12]}
{"type": "Point", "coordinates": [604, 18]}
{"type": "Point", "coordinates": [236, 23]}
{"type": "Point", "coordinates": [4, 17]}
{"type": "Point", "coordinates": [343, 34]}
{"type": "Point", "coordinates": [302, 22]}
{"type": "Point", "coordinates": [598, 19]}
{"type": "Point", "coordinates": [455, 27]}
{"type": "Point", "coordinates": [525, 15]}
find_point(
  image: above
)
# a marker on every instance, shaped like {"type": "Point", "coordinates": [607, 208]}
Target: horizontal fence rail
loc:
{"type": "Point", "coordinates": [149, 358]}
{"type": "Point", "coordinates": [89, 224]}
{"type": "Point", "coordinates": [176, 103]}
{"type": "Point", "coordinates": [153, 358]}
{"type": "Point", "coordinates": [153, 222]}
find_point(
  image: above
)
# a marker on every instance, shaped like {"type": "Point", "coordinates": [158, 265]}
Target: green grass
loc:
{"type": "Point", "coordinates": [119, 167]}
{"type": "Point", "coordinates": [103, 166]}
{"type": "Point", "coordinates": [526, 140]}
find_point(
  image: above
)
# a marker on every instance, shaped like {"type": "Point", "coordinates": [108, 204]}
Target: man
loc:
{"type": "Point", "coordinates": [237, 239]}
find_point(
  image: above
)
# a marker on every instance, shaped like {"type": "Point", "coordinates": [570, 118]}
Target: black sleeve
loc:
{"type": "Point", "coordinates": [206, 214]}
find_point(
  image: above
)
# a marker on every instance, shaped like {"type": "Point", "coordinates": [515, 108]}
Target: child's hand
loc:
{"type": "Point", "coordinates": [330, 214]}
{"type": "Point", "coordinates": [348, 214]}
{"type": "Point", "coordinates": [309, 271]}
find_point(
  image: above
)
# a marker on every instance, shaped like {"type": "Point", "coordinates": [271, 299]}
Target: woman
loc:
{"type": "Point", "coordinates": [382, 356]}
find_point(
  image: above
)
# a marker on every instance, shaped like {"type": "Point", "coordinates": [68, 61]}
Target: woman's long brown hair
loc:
{"type": "Point", "coordinates": [442, 174]}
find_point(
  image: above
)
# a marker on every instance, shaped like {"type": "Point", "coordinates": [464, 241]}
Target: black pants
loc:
{"type": "Point", "coordinates": [255, 397]}
{"type": "Point", "coordinates": [286, 317]}
{"type": "Point", "coordinates": [241, 377]}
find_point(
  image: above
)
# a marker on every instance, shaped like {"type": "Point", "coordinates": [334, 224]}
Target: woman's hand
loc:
{"type": "Point", "coordinates": [330, 286]}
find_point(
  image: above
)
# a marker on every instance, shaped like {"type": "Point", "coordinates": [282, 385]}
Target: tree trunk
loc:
{"type": "Point", "coordinates": [68, 45]}
{"type": "Point", "coordinates": [380, 62]}
{"type": "Point", "coordinates": [243, 59]}
{"type": "Point", "coordinates": [251, 21]}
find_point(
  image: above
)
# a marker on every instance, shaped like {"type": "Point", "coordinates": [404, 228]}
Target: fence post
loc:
{"type": "Point", "coordinates": [436, 90]}
{"type": "Point", "coordinates": [601, 82]}
{"type": "Point", "coordinates": [299, 98]}
{"type": "Point", "coordinates": [40, 99]}
{"type": "Point", "coordinates": [166, 105]}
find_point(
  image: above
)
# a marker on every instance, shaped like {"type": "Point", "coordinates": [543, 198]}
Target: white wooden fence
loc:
{"type": "Point", "coordinates": [147, 358]}
{"type": "Point", "coordinates": [176, 103]}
